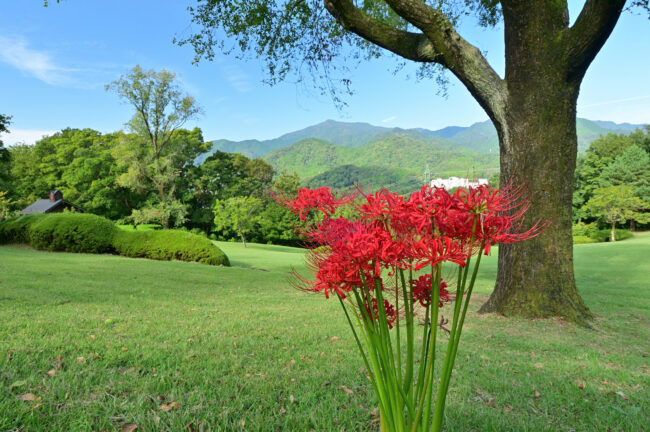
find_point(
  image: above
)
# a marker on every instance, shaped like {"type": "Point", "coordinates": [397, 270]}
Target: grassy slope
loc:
{"type": "Point", "coordinates": [232, 345]}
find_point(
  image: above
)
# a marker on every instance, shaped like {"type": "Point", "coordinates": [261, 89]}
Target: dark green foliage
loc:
{"type": "Point", "coordinates": [368, 177]}
{"type": "Point", "coordinates": [73, 232]}
{"type": "Point", "coordinates": [613, 160]}
{"type": "Point", "coordinates": [169, 245]}
{"type": "Point", "coordinates": [4, 153]}
{"type": "Point", "coordinates": [408, 153]}
{"type": "Point", "coordinates": [78, 162]}
{"type": "Point", "coordinates": [16, 230]}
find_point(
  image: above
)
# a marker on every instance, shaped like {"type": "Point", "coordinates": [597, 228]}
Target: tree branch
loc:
{"type": "Point", "coordinates": [463, 59]}
{"type": "Point", "coordinates": [589, 33]}
{"type": "Point", "coordinates": [438, 43]}
{"type": "Point", "coordinates": [412, 46]}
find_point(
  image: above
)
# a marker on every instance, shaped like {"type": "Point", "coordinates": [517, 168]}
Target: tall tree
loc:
{"type": "Point", "coordinates": [533, 107]}
{"type": "Point", "coordinates": [161, 109]}
{"type": "Point", "coordinates": [4, 153]}
{"type": "Point", "coordinates": [79, 163]}
{"type": "Point", "coordinates": [241, 214]}
{"type": "Point", "coordinates": [616, 204]}
{"type": "Point", "coordinates": [631, 168]}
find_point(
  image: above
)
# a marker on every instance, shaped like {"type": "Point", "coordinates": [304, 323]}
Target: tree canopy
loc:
{"type": "Point", "coordinates": [616, 204]}
{"type": "Point", "coordinates": [4, 153]}
{"type": "Point", "coordinates": [157, 152]}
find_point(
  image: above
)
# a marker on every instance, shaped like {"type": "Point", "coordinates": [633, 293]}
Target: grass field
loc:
{"type": "Point", "coordinates": [98, 342]}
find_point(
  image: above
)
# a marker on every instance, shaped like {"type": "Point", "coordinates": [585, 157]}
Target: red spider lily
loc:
{"type": "Point", "coordinates": [389, 309]}
{"type": "Point", "coordinates": [309, 199]}
{"type": "Point", "coordinates": [500, 229]}
{"type": "Point", "coordinates": [432, 251]}
{"type": "Point", "coordinates": [483, 198]}
{"type": "Point", "coordinates": [429, 229]}
{"type": "Point", "coordinates": [380, 205]}
{"type": "Point", "coordinates": [422, 291]}
{"type": "Point", "coordinates": [331, 272]}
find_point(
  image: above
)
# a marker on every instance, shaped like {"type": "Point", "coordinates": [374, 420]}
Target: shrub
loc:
{"type": "Point", "coordinates": [73, 232]}
{"type": "Point", "coordinates": [16, 230]}
{"type": "Point", "coordinates": [144, 227]}
{"type": "Point", "coordinates": [169, 245]}
{"type": "Point", "coordinates": [582, 239]}
{"type": "Point", "coordinates": [589, 233]}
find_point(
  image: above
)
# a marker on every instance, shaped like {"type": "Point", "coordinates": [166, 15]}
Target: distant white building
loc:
{"type": "Point", "coordinates": [457, 182]}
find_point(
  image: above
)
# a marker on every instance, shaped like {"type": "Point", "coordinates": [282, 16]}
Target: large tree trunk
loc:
{"type": "Point", "coordinates": [534, 111]}
{"type": "Point", "coordinates": [538, 147]}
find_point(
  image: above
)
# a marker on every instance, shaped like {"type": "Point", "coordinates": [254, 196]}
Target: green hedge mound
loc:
{"type": "Point", "coordinates": [16, 230]}
{"type": "Point", "coordinates": [87, 233]}
{"type": "Point", "coordinates": [169, 245]}
{"type": "Point", "coordinates": [73, 232]}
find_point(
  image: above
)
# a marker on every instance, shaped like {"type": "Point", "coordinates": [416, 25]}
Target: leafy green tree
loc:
{"type": "Point", "coordinates": [154, 150]}
{"type": "Point", "coordinates": [4, 154]}
{"type": "Point", "coordinates": [221, 176]}
{"type": "Point", "coordinates": [631, 168]}
{"type": "Point", "coordinates": [241, 214]}
{"type": "Point", "coordinates": [533, 108]}
{"type": "Point", "coordinates": [277, 224]}
{"type": "Point", "coordinates": [641, 138]}
{"type": "Point", "coordinates": [600, 153]}
{"type": "Point", "coordinates": [616, 204]}
{"type": "Point", "coordinates": [80, 164]}
{"type": "Point", "coordinates": [165, 213]}
{"type": "Point", "coordinates": [5, 205]}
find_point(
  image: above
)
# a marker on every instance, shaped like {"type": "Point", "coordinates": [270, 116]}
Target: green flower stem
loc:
{"type": "Point", "coordinates": [452, 349]}
{"type": "Point", "coordinates": [368, 332]}
{"type": "Point", "coordinates": [434, 327]}
{"type": "Point", "coordinates": [428, 375]}
{"type": "Point", "coordinates": [408, 307]}
{"type": "Point", "coordinates": [398, 338]}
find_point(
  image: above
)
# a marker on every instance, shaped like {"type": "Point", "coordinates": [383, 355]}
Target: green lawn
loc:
{"type": "Point", "coordinates": [102, 341]}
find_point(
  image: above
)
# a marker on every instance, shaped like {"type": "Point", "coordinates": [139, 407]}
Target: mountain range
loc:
{"type": "Point", "coordinates": [314, 151]}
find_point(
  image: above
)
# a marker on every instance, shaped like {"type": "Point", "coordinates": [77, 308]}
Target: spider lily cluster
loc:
{"type": "Point", "coordinates": [394, 269]}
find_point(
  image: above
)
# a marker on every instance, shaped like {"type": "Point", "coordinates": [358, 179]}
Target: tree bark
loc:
{"type": "Point", "coordinates": [243, 240]}
{"type": "Point", "coordinates": [538, 144]}
{"type": "Point", "coordinates": [613, 236]}
{"type": "Point", "coordinates": [535, 278]}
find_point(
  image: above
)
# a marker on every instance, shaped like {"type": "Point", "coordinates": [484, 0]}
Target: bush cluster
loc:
{"type": "Point", "coordinates": [169, 245]}
{"type": "Point", "coordinates": [16, 230]}
{"type": "Point", "coordinates": [76, 232]}
{"type": "Point", "coordinates": [70, 232]}
{"type": "Point", "coordinates": [590, 233]}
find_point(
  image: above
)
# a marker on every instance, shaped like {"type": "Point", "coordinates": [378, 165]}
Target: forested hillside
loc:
{"type": "Point", "coordinates": [312, 157]}
{"type": "Point", "coordinates": [480, 137]}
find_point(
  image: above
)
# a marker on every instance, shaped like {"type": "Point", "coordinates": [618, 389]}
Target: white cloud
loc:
{"type": "Point", "coordinates": [39, 64]}
{"type": "Point", "coordinates": [237, 78]}
{"type": "Point", "coordinates": [389, 119]}
{"type": "Point", "coordinates": [616, 101]}
{"type": "Point", "coordinates": [635, 110]}
{"type": "Point", "coordinates": [24, 136]}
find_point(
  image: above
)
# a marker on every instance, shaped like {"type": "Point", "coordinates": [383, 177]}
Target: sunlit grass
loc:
{"type": "Point", "coordinates": [101, 341]}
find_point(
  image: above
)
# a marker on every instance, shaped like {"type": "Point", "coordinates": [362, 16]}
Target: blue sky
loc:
{"type": "Point", "coordinates": [54, 63]}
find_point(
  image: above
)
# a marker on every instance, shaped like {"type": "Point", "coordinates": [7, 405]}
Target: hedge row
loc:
{"type": "Point", "coordinates": [168, 245]}
{"type": "Point", "coordinates": [77, 232]}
